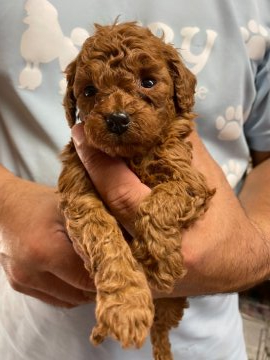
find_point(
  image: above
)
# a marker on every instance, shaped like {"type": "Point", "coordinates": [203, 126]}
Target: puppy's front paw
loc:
{"type": "Point", "coordinates": [159, 253]}
{"type": "Point", "coordinates": [125, 316]}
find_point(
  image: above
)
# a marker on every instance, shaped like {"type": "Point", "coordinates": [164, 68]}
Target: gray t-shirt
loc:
{"type": "Point", "coordinates": [226, 45]}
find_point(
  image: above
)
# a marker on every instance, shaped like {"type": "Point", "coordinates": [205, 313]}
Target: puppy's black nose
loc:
{"type": "Point", "coordinates": [118, 122]}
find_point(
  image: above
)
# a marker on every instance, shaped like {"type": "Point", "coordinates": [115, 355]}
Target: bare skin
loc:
{"type": "Point", "coordinates": [227, 250]}
{"type": "Point", "coordinates": [35, 251]}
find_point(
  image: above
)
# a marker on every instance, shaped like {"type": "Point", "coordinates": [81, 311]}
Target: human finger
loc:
{"type": "Point", "coordinates": [24, 279]}
{"type": "Point", "coordinates": [119, 187]}
{"type": "Point", "coordinates": [54, 287]}
{"type": "Point", "coordinates": [64, 263]}
{"type": "Point", "coordinates": [48, 299]}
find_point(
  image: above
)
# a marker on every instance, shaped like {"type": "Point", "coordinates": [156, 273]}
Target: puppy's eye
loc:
{"type": "Point", "coordinates": [90, 90]}
{"type": "Point", "coordinates": [148, 83]}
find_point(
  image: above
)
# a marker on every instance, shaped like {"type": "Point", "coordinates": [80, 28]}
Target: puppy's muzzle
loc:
{"type": "Point", "coordinates": [118, 122]}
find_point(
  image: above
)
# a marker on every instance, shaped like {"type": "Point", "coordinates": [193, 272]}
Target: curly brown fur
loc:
{"type": "Point", "coordinates": [124, 69]}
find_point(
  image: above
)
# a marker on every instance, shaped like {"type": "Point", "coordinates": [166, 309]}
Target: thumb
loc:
{"type": "Point", "coordinates": [118, 186]}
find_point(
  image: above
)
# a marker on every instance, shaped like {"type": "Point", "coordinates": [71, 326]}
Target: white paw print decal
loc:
{"type": "Point", "coordinates": [233, 172]}
{"type": "Point", "coordinates": [230, 125]}
{"type": "Point", "coordinates": [201, 92]}
{"type": "Point", "coordinates": [255, 37]}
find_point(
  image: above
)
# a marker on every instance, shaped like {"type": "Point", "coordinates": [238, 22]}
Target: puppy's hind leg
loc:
{"type": "Point", "coordinates": [168, 313]}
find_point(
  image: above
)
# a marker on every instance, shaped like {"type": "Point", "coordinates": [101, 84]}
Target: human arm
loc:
{"type": "Point", "coordinates": [224, 251]}
{"type": "Point", "coordinates": [35, 252]}
{"type": "Point", "coordinates": [236, 255]}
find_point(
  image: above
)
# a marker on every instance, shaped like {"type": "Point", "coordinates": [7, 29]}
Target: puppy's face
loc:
{"type": "Point", "coordinates": [127, 86]}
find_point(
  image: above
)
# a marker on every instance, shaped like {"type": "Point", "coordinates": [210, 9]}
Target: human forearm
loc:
{"type": "Point", "coordinates": [255, 196]}
{"type": "Point", "coordinates": [5, 177]}
{"type": "Point", "coordinates": [35, 252]}
{"type": "Point", "coordinates": [255, 199]}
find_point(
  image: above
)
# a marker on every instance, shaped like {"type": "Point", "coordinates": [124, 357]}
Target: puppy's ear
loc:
{"type": "Point", "coordinates": [69, 101]}
{"type": "Point", "coordinates": [184, 81]}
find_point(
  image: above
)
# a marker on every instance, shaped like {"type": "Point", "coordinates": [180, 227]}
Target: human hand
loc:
{"type": "Point", "coordinates": [35, 252]}
{"type": "Point", "coordinates": [118, 186]}
{"type": "Point", "coordinates": [212, 248]}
